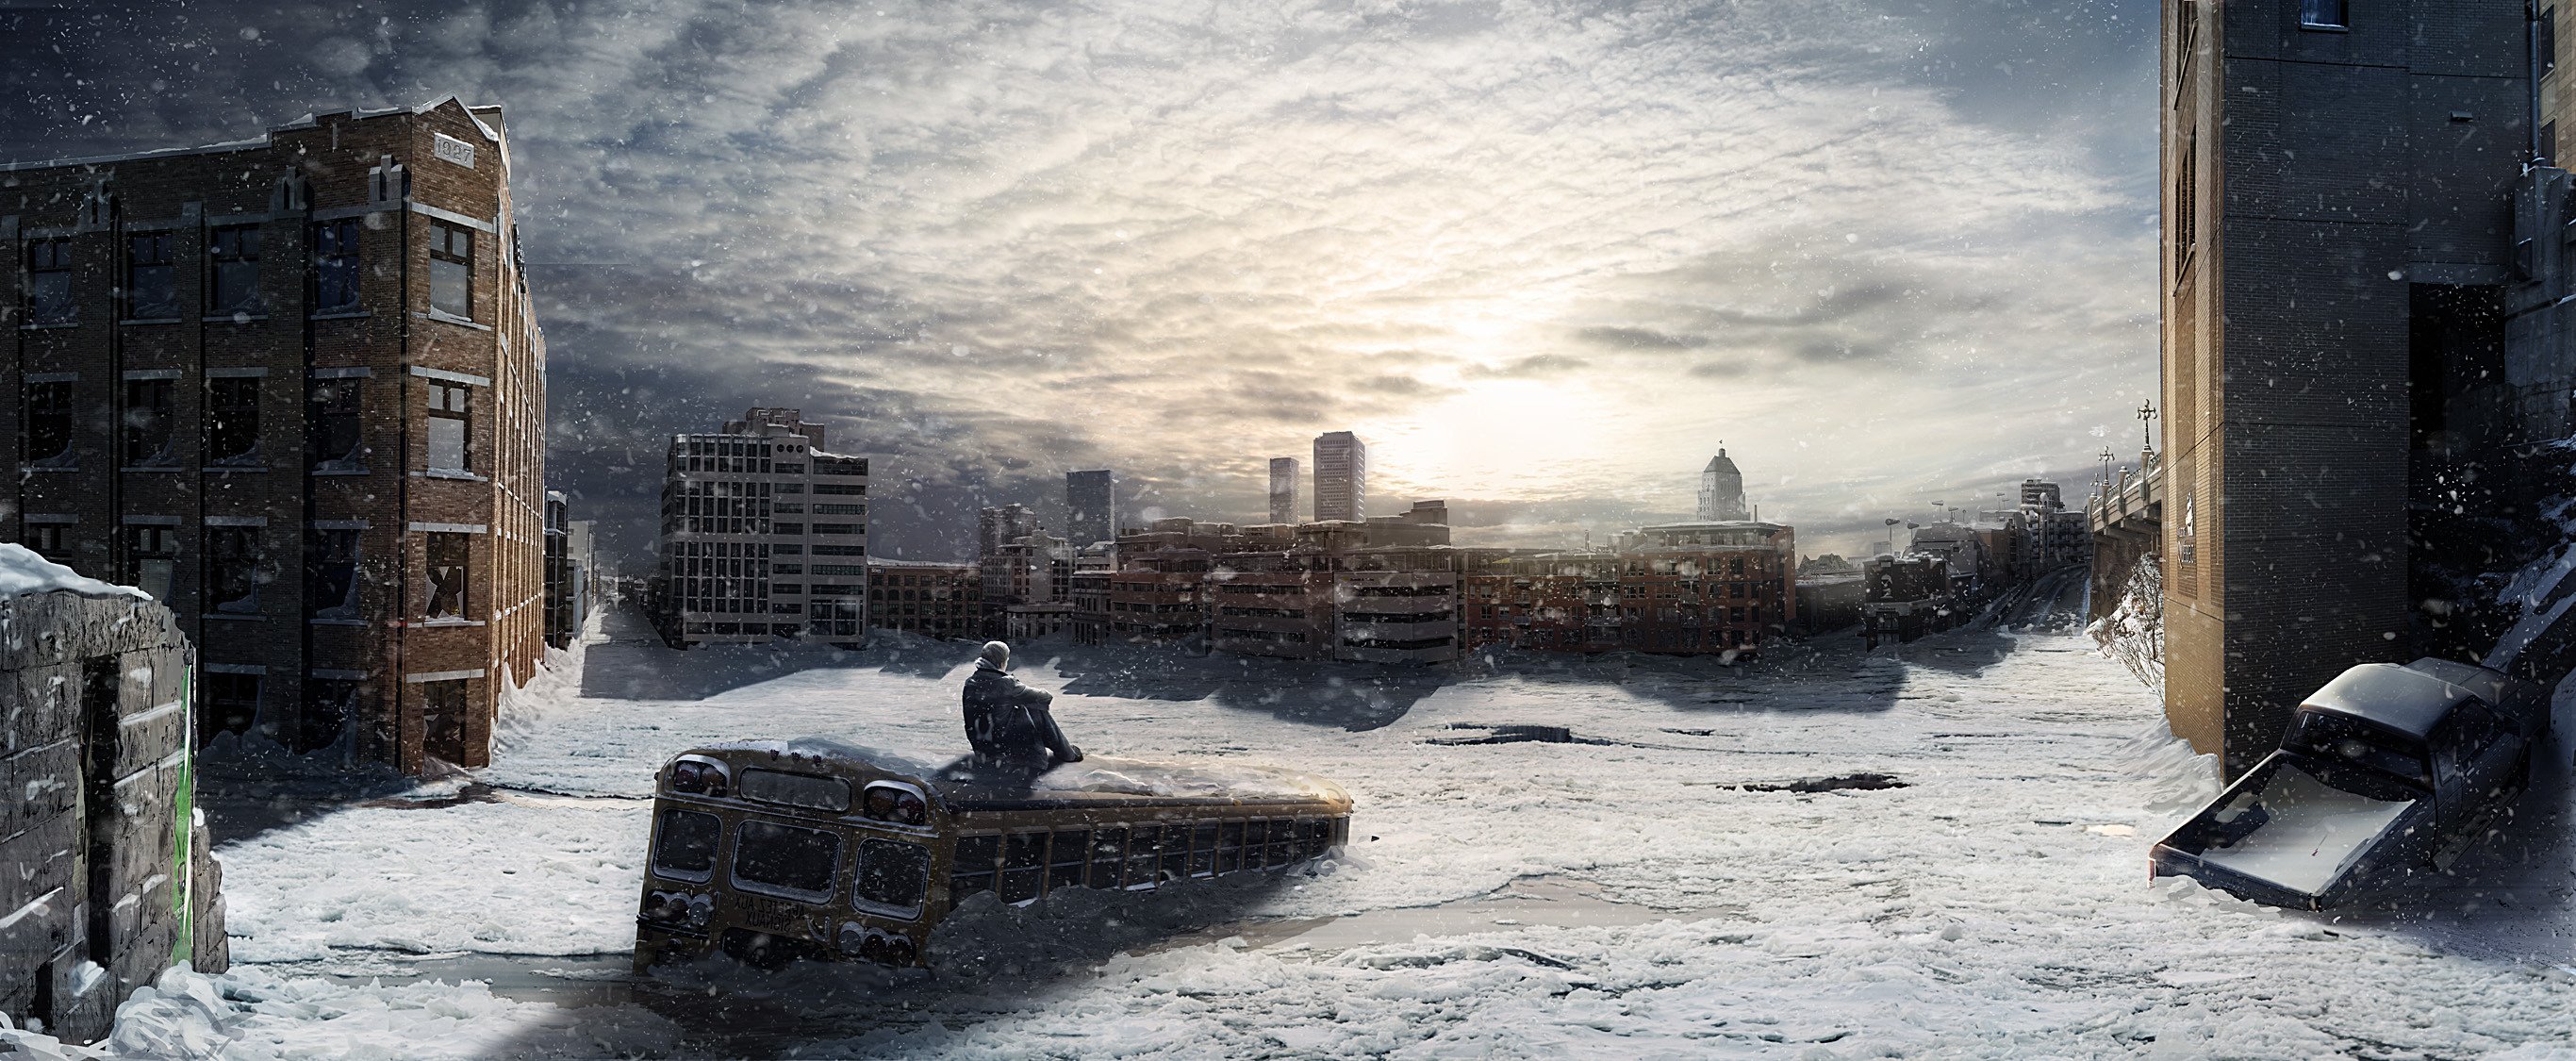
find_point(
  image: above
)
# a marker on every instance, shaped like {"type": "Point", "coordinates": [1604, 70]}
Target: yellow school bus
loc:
{"type": "Point", "coordinates": [815, 848]}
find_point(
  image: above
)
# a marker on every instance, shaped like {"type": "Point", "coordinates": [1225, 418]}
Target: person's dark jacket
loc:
{"type": "Point", "coordinates": [1002, 713]}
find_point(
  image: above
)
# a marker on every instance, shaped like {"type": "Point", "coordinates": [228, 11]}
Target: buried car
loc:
{"type": "Point", "coordinates": [2385, 771]}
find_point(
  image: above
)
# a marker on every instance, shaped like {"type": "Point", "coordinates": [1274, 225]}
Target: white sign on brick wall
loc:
{"type": "Point", "coordinates": [453, 150]}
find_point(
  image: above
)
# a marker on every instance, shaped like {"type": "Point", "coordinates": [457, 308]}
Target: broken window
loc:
{"type": "Point", "coordinates": [151, 283]}
{"type": "Point", "coordinates": [331, 574]}
{"type": "Point", "coordinates": [232, 705]}
{"type": "Point", "coordinates": [233, 570]}
{"type": "Point", "coordinates": [232, 422]}
{"type": "Point", "coordinates": [1144, 846]}
{"type": "Point", "coordinates": [329, 704]}
{"type": "Point", "coordinates": [151, 559]}
{"type": "Point", "coordinates": [49, 424]}
{"type": "Point", "coordinates": [781, 858]}
{"type": "Point", "coordinates": [49, 281]}
{"type": "Point", "coordinates": [331, 425]}
{"type": "Point", "coordinates": [335, 266]}
{"type": "Point", "coordinates": [2323, 14]}
{"type": "Point", "coordinates": [448, 553]}
{"type": "Point", "coordinates": [232, 256]}
{"type": "Point", "coordinates": [146, 419]}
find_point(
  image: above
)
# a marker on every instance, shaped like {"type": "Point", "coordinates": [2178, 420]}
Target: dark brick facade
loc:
{"type": "Point", "coordinates": [356, 464]}
{"type": "Point", "coordinates": [2336, 220]}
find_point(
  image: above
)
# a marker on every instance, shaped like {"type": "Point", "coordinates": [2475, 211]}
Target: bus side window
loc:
{"type": "Point", "coordinates": [1065, 868]}
{"type": "Point", "coordinates": [1281, 833]}
{"type": "Point", "coordinates": [1144, 846]}
{"type": "Point", "coordinates": [1229, 848]}
{"type": "Point", "coordinates": [1256, 838]}
{"type": "Point", "coordinates": [1203, 850]}
{"type": "Point", "coordinates": [1317, 839]}
{"type": "Point", "coordinates": [1176, 852]}
{"type": "Point", "coordinates": [972, 870]}
{"type": "Point", "coordinates": [1108, 856]}
{"type": "Point", "coordinates": [1023, 866]}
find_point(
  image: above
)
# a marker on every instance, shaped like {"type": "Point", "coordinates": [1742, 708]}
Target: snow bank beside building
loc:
{"type": "Point", "coordinates": [22, 571]}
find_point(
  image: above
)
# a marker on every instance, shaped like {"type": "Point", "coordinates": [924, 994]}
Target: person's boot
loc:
{"type": "Point", "coordinates": [1070, 754]}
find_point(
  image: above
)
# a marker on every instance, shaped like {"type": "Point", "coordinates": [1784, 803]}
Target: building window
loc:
{"type": "Point", "coordinates": [151, 283]}
{"type": "Point", "coordinates": [232, 422]}
{"type": "Point", "coordinates": [449, 426]}
{"type": "Point", "coordinates": [329, 704]}
{"type": "Point", "coordinates": [2547, 45]}
{"type": "Point", "coordinates": [151, 558]}
{"type": "Point", "coordinates": [2323, 14]}
{"type": "Point", "coordinates": [233, 254]}
{"type": "Point", "coordinates": [447, 575]}
{"type": "Point", "coordinates": [451, 270]}
{"type": "Point", "coordinates": [232, 705]}
{"type": "Point", "coordinates": [335, 265]}
{"type": "Point", "coordinates": [232, 570]}
{"type": "Point", "coordinates": [146, 420]}
{"type": "Point", "coordinates": [2548, 153]}
{"type": "Point", "coordinates": [49, 281]}
{"type": "Point", "coordinates": [49, 424]}
{"type": "Point", "coordinates": [331, 426]}
{"type": "Point", "coordinates": [331, 574]}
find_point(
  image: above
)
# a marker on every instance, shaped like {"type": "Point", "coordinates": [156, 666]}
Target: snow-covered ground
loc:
{"type": "Point", "coordinates": [1996, 905]}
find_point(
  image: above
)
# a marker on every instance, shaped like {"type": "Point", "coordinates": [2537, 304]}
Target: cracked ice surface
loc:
{"type": "Point", "coordinates": [1992, 907]}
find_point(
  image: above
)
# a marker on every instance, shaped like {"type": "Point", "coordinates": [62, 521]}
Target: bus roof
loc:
{"type": "Point", "coordinates": [963, 784]}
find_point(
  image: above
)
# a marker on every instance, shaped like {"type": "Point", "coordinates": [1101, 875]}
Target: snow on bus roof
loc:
{"type": "Point", "coordinates": [962, 780]}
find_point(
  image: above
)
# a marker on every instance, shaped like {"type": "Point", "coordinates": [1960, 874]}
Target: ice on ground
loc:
{"type": "Point", "coordinates": [2314, 833]}
{"type": "Point", "coordinates": [250, 1014]}
{"type": "Point", "coordinates": [23, 570]}
{"type": "Point", "coordinates": [1978, 911]}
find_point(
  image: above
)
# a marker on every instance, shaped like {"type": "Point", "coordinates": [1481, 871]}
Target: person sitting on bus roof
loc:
{"type": "Point", "coordinates": [1008, 720]}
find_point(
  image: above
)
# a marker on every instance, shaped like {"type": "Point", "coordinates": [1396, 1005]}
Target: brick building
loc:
{"type": "Point", "coordinates": [926, 597]}
{"type": "Point", "coordinates": [1697, 587]}
{"type": "Point", "coordinates": [291, 386]}
{"type": "Point", "coordinates": [764, 535]}
{"type": "Point", "coordinates": [2344, 356]}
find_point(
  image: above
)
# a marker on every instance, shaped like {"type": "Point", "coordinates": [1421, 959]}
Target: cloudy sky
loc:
{"type": "Point", "coordinates": [1543, 257]}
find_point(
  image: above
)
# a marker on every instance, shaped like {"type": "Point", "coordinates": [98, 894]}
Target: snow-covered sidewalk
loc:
{"type": "Point", "coordinates": [1997, 904]}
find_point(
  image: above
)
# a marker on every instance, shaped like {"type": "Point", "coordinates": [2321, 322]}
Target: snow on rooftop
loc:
{"type": "Point", "coordinates": [23, 571]}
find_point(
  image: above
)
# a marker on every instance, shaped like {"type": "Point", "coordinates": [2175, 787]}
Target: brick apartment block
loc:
{"type": "Point", "coordinates": [291, 386]}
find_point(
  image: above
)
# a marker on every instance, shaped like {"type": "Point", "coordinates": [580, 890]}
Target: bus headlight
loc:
{"type": "Point", "coordinates": [701, 910]}
{"type": "Point", "coordinates": [688, 777]}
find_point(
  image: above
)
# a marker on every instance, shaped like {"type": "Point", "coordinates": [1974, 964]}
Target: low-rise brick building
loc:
{"type": "Point", "coordinates": [293, 388]}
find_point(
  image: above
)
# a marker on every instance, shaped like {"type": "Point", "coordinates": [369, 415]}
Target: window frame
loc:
{"type": "Point", "coordinates": [43, 259]}
{"type": "Point", "coordinates": [229, 564]}
{"type": "Point", "coordinates": [228, 417]}
{"type": "Point", "coordinates": [445, 239]}
{"type": "Point", "coordinates": [233, 251]}
{"type": "Point", "coordinates": [53, 403]}
{"type": "Point", "coordinates": [2325, 14]}
{"type": "Point", "coordinates": [453, 549]}
{"type": "Point", "coordinates": [448, 403]}
{"type": "Point", "coordinates": [132, 436]}
{"type": "Point", "coordinates": [150, 250]}
{"type": "Point", "coordinates": [337, 266]}
{"type": "Point", "coordinates": [331, 406]}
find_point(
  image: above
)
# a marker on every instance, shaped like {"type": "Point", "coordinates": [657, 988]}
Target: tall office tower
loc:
{"type": "Point", "coordinates": [1341, 476]}
{"type": "Point", "coordinates": [764, 535]}
{"type": "Point", "coordinates": [291, 387]}
{"type": "Point", "coordinates": [1091, 508]}
{"type": "Point", "coordinates": [1283, 490]}
{"type": "Point", "coordinates": [1721, 490]}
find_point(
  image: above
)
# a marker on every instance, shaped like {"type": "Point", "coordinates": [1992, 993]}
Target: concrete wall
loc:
{"type": "Point", "coordinates": [95, 773]}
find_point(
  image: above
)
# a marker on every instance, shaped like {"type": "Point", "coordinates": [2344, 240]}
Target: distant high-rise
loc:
{"type": "Point", "coordinates": [997, 527]}
{"type": "Point", "coordinates": [1721, 490]}
{"type": "Point", "coordinates": [1341, 476]}
{"type": "Point", "coordinates": [1283, 489]}
{"type": "Point", "coordinates": [764, 535]}
{"type": "Point", "coordinates": [1091, 507]}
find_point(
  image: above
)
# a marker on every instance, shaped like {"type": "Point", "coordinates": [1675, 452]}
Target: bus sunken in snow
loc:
{"type": "Point", "coordinates": [813, 848]}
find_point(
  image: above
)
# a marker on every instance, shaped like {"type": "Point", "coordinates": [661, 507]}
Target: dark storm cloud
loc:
{"type": "Point", "coordinates": [990, 242]}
